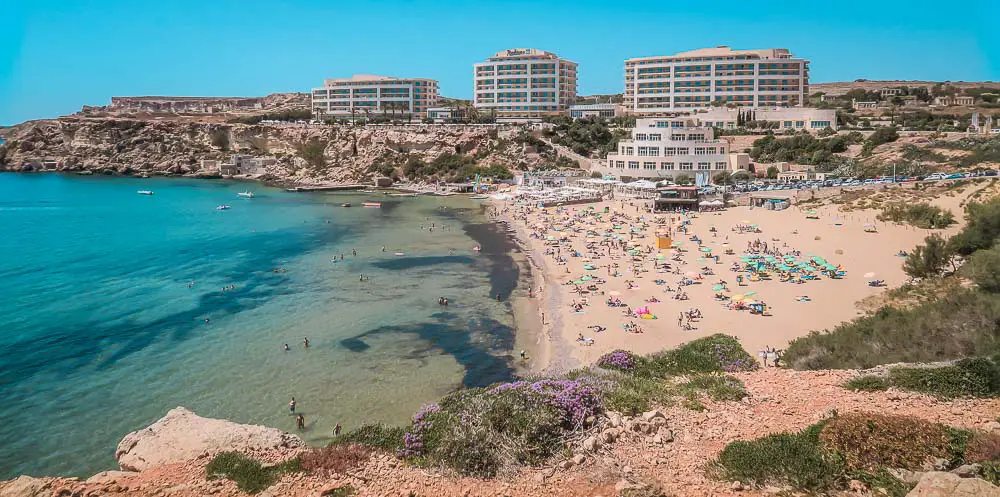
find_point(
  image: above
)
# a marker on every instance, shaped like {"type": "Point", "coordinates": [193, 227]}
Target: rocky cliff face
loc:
{"type": "Point", "coordinates": [129, 146]}
{"type": "Point", "coordinates": [183, 435]}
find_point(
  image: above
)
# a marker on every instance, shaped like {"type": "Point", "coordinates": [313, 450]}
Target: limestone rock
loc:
{"type": "Point", "coordinates": [24, 486]}
{"type": "Point", "coordinates": [591, 444]}
{"type": "Point", "coordinates": [578, 459]}
{"type": "Point", "coordinates": [651, 415]}
{"type": "Point", "coordinates": [614, 419]}
{"type": "Point", "coordinates": [940, 484]}
{"type": "Point", "coordinates": [183, 435]}
{"type": "Point", "coordinates": [968, 470]}
{"type": "Point", "coordinates": [110, 476]}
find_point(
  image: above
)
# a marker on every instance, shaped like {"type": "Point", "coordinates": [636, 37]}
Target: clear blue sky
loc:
{"type": "Point", "coordinates": [57, 55]}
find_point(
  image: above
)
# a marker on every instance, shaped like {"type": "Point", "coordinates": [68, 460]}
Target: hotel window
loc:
{"type": "Point", "coordinates": [788, 124]}
{"type": "Point", "coordinates": [704, 166]}
{"type": "Point", "coordinates": [686, 166]}
{"type": "Point", "coordinates": [800, 124]}
{"type": "Point", "coordinates": [649, 165]}
{"type": "Point", "coordinates": [655, 137]}
{"type": "Point", "coordinates": [699, 151]}
{"type": "Point", "coordinates": [819, 124]}
{"type": "Point", "coordinates": [633, 164]}
{"type": "Point", "coordinates": [640, 137]}
{"type": "Point", "coordinates": [667, 166]}
{"type": "Point", "coordinates": [720, 166]}
{"type": "Point", "coordinates": [643, 151]}
{"type": "Point", "coordinates": [629, 151]}
{"type": "Point", "coordinates": [620, 164]}
{"type": "Point", "coordinates": [683, 151]}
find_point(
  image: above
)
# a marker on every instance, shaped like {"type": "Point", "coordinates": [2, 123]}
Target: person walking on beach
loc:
{"type": "Point", "coordinates": [336, 430]}
{"type": "Point", "coordinates": [355, 252]}
{"type": "Point", "coordinates": [291, 406]}
{"type": "Point", "coordinates": [305, 342]}
{"type": "Point", "coordinates": [300, 422]}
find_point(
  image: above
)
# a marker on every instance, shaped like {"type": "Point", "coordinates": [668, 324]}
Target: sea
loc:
{"type": "Point", "coordinates": [116, 307]}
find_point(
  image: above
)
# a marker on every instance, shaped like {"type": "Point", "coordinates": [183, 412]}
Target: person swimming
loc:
{"type": "Point", "coordinates": [286, 347]}
{"type": "Point", "coordinates": [443, 301]}
{"type": "Point", "coordinates": [305, 342]}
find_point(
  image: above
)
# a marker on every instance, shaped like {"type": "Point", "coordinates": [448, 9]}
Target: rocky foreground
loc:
{"type": "Point", "coordinates": [140, 146]}
{"type": "Point", "coordinates": [667, 448]}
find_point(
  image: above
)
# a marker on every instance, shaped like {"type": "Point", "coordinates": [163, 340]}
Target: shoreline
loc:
{"type": "Point", "coordinates": [552, 354]}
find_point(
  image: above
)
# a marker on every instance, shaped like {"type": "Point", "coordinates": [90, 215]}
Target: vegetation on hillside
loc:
{"type": "Point", "coordinates": [825, 457]}
{"type": "Point", "coordinates": [921, 215]}
{"type": "Point", "coordinates": [589, 137]}
{"type": "Point", "coordinates": [979, 377]}
{"type": "Point", "coordinates": [963, 323]}
{"type": "Point", "coordinates": [803, 149]}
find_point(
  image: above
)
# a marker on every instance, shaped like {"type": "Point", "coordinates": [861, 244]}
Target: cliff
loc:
{"type": "Point", "coordinates": [169, 147]}
{"type": "Point", "coordinates": [667, 448]}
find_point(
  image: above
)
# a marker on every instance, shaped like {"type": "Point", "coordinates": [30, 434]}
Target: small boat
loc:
{"type": "Point", "coordinates": [345, 204]}
{"type": "Point", "coordinates": [222, 208]}
{"type": "Point", "coordinates": [479, 197]}
{"type": "Point", "coordinates": [245, 194]}
{"type": "Point", "coordinates": [371, 204]}
{"type": "Point", "coordinates": [399, 254]}
{"type": "Point", "coordinates": [145, 192]}
{"type": "Point", "coordinates": [296, 189]}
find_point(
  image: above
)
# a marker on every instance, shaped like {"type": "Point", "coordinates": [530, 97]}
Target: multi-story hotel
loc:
{"type": "Point", "coordinates": [666, 148]}
{"type": "Point", "coordinates": [368, 95]}
{"type": "Point", "coordinates": [524, 83]}
{"type": "Point", "coordinates": [748, 78]}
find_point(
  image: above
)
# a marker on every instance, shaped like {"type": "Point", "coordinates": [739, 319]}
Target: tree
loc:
{"type": "Point", "coordinates": [982, 230]}
{"type": "Point", "coordinates": [312, 153]}
{"type": "Point", "coordinates": [825, 132]}
{"type": "Point", "coordinates": [220, 139]}
{"type": "Point", "coordinates": [722, 178]}
{"type": "Point", "coordinates": [683, 179]}
{"type": "Point", "coordinates": [984, 269]}
{"type": "Point", "coordinates": [928, 259]}
{"type": "Point", "coordinates": [740, 176]}
{"type": "Point", "coordinates": [772, 172]}
{"type": "Point", "coordinates": [596, 175]}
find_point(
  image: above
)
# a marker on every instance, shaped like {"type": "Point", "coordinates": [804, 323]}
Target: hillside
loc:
{"type": "Point", "coordinates": [842, 87]}
{"type": "Point", "coordinates": [304, 154]}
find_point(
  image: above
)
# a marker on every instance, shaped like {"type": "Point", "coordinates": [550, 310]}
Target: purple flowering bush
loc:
{"type": "Point", "coordinates": [712, 354]}
{"type": "Point", "coordinates": [620, 360]}
{"type": "Point", "coordinates": [574, 399]}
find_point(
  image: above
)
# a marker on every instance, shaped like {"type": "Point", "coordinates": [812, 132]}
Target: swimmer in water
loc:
{"type": "Point", "coordinates": [286, 346]}
{"type": "Point", "coordinates": [305, 342]}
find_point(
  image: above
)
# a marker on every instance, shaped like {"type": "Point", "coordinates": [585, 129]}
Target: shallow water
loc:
{"type": "Point", "coordinates": [101, 334]}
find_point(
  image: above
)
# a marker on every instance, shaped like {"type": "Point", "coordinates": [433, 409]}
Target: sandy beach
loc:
{"type": "Point", "coordinates": [585, 255]}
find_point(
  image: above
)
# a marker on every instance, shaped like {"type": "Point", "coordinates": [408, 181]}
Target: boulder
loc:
{"type": "Point", "coordinates": [968, 470]}
{"type": "Point", "coordinates": [614, 419]}
{"type": "Point", "coordinates": [651, 415]}
{"type": "Point", "coordinates": [24, 486]}
{"type": "Point", "coordinates": [110, 476]}
{"type": "Point", "coordinates": [590, 444]}
{"type": "Point", "coordinates": [941, 484]}
{"type": "Point", "coordinates": [183, 435]}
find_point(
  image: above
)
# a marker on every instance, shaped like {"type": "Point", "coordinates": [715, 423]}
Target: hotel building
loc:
{"type": "Point", "coordinates": [795, 118]}
{"type": "Point", "coordinates": [664, 85]}
{"type": "Point", "coordinates": [524, 84]}
{"type": "Point", "coordinates": [368, 95]}
{"type": "Point", "coordinates": [662, 149]}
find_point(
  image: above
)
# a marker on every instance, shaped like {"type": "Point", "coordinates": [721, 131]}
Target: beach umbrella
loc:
{"type": "Point", "coordinates": [706, 249]}
{"type": "Point", "coordinates": [745, 221]}
{"type": "Point", "coordinates": [738, 297]}
{"type": "Point", "coordinates": [717, 288]}
{"type": "Point", "coordinates": [753, 225]}
{"type": "Point", "coordinates": [700, 259]}
{"type": "Point", "coordinates": [869, 275]}
{"type": "Point", "coordinates": [747, 294]}
{"type": "Point", "coordinates": [660, 257]}
{"type": "Point", "coordinates": [587, 278]}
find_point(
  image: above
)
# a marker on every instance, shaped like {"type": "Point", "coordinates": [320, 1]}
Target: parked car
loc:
{"type": "Point", "coordinates": [990, 172]}
{"type": "Point", "coordinates": [954, 176]}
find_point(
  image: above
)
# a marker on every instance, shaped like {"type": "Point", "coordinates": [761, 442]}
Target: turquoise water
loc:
{"type": "Point", "coordinates": [100, 333]}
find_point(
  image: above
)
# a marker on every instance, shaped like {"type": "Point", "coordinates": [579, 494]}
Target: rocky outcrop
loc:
{"type": "Point", "coordinates": [26, 486]}
{"type": "Point", "coordinates": [183, 435]}
{"type": "Point", "coordinates": [172, 147]}
{"type": "Point", "coordinates": [940, 484]}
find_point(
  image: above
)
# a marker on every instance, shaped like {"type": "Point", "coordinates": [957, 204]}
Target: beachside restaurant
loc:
{"type": "Point", "coordinates": [675, 198]}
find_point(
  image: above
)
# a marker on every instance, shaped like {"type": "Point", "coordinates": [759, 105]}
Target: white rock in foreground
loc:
{"type": "Point", "coordinates": [182, 435]}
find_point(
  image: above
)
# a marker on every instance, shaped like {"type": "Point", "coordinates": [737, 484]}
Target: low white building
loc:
{"type": "Point", "coordinates": [664, 148]}
{"type": "Point", "coordinates": [596, 110]}
{"type": "Point", "coordinates": [797, 118]}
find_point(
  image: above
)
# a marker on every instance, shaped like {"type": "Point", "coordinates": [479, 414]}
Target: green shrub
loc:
{"type": "Point", "coordinates": [983, 268]}
{"type": "Point", "coordinates": [924, 216]}
{"type": "Point", "coordinates": [718, 387]}
{"type": "Point", "coordinates": [496, 432]}
{"type": "Point", "coordinates": [795, 459]}
{"type": "Point", "coordinates": [632, 394]}
{"type": "Point", "coordinates": [373, 435]}
{"type": "Point", "coordinates": [871, 442]}
{"type": "Point", "coordinates": [959, 324]}
{"type": "Point", "coordinates": [250, 476]}
{"type": "Point", "coordinates": [713, 354]}
{"type": "Point", "coordinates": [991, 471]}
{"type": "Point", "coordinates": [345, 491]}
{"type": "Point", "coordinates": [982, 447]}
{"type": "Point", "coordinates": [867, 384]}
{"type": "Point", "coordinates": [967, 378]}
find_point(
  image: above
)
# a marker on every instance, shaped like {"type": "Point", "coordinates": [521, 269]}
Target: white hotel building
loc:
{"type": "Point", "coordinates": [524, 84]}
{"type": "Point", "coordinates": [664, 85]}
{"type": "Point", "coordinates": [662, 149]}
{"type": "Point", "coordinates": [367, 95]}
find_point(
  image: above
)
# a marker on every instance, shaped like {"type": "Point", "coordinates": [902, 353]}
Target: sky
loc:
{"type": "Point", "coordinates": [58, 55]}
